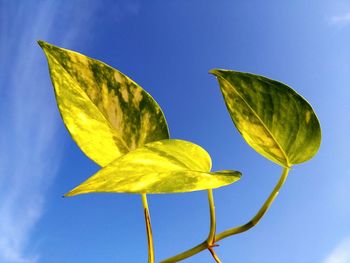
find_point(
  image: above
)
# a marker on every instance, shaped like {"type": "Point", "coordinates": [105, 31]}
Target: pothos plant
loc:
{"type": "Point", "coordinates": [121, 127]}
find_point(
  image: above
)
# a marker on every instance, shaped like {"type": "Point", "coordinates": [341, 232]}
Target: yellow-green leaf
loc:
{"type": "Point", "coordinates": [273, 119]}
{"type": "Point", "coordinates": [167, 166]}
{"type": "Point", "coordinates": [106, 112]}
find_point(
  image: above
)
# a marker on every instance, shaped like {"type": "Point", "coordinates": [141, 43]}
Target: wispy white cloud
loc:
{"type": "Point", "coordinates": [342, 19]}
{"type": "Point", "coordinates": [30, 148]}
{"type": "Point", "coordinates": [340, 254]}
{"type": "Point", "coordinates": [28, 128]}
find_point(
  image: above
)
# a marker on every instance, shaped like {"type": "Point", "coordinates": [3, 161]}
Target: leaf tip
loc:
{"type": "Point", "coordinates": [69, 194]}
{"type": "Point", "coordinates": [214, 71]}
{"type": "Point", "coordinates": [44, 45]}
{"type": "Point", "coordinates": [41, 43]}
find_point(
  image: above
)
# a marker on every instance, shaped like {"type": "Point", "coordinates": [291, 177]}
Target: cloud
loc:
{"type": "Point", "coordinates": [343, 19]}
{"type": "Point", "coordinates": [30, 146]}
{"type": "Point", "coordinates": [27, 131]}
{"type": "Point", "coordinates": [340, 254]}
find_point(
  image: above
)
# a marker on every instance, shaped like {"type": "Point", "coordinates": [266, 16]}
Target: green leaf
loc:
{"type": "Point", "coordinates": [167, 166]}
{"type": "Point", "coordinates": [273, 119]}
{"type": "Point", "coordinates": [106, 112]}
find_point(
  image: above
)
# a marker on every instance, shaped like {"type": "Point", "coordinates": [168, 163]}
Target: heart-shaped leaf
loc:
{"type": "Point", "coordinates": [106, 112]}
{"type": "Point", "coordinates": [167, 166]}
{"type": "Point", "coordinates": [273, 119]}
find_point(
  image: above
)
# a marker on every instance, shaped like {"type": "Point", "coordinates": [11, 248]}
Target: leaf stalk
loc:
{"type": "Point", "coordinates": [212, 252]}
{"type": "Point", "coordinates": [148, 229]}
{"type": "Point", "coordinates": [212, 231]}
{"type": "Point", "coordinates": [236, 230]}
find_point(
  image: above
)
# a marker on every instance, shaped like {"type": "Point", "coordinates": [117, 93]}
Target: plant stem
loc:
{"type": "Point", "coordinates": [211, 236]}
{"type": "Point", "coordinates": [188, 253]}
{"type": "Point", "coordinates": [235, 230]}
{"type": "Point", "coordinates": [255, 220]}
{"type": "Point", "coordinates": [212, 252]}
{"type": "Point", "coordinates": [212, 231]}
{"type": "Point", "coordinates": [148, 229]}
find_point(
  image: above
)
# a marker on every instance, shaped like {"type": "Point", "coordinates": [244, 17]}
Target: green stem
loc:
{"type": "Point", "coordinates": [235, 230]}
{"type": "Point", "coordinates": [255, 220]}
{"type": "Point", "coordinates": [212, 231]}
{"type": "Point", "coordinates": [148, 229]}
{"type": "Point", "coordinates": [211, 236]}
{"type": "Point", "coordinates": [188, 253]}
{"type": "Point", "coordinates": [212, 252]}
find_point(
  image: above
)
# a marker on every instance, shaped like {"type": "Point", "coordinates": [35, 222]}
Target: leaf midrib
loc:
{"type": "Point", "coordinates": [258, 117]}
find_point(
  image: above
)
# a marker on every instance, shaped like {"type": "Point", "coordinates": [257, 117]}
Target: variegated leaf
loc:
{"type": "Point", "coordinates": [273, 119]}
{"type": "Point", "coordinates": [167, 166]}
{"type": "Point", "coordinates": [106, 112]}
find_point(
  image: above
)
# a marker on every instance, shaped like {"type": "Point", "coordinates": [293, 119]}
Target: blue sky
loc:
{"type": "Point", "coordinates": [168, 47]}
